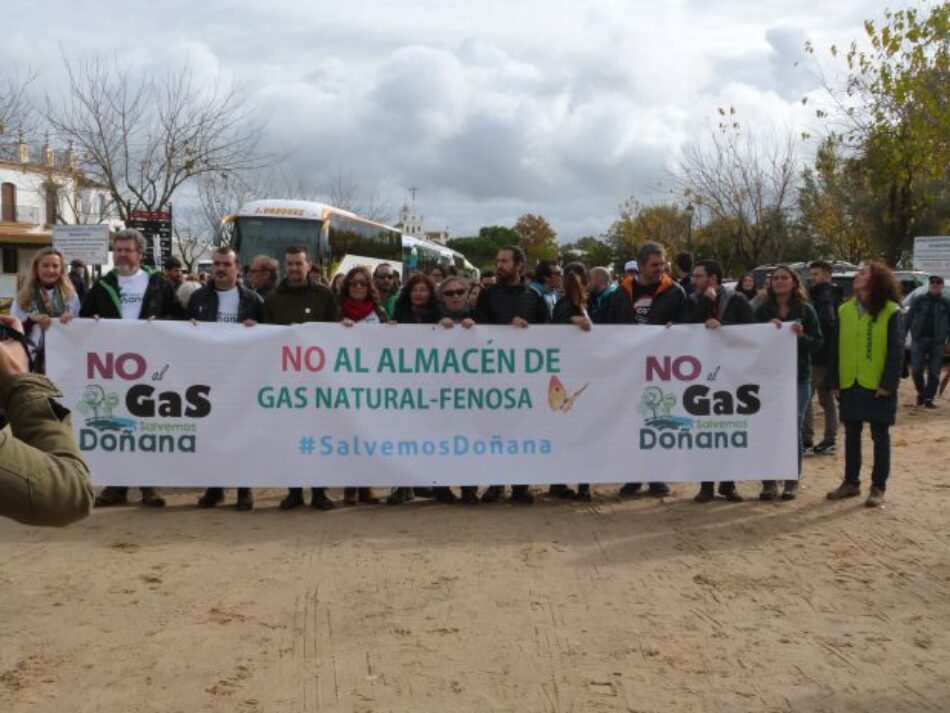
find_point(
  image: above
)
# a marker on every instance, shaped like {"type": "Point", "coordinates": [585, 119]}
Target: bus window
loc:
{"type": "Point", "coordinates": [272, 236]}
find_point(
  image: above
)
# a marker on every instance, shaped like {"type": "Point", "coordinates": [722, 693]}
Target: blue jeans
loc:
{"type": "Point", "coordinates": [881, 436]}
{"type": "Point", "coordinates": [925, 353]}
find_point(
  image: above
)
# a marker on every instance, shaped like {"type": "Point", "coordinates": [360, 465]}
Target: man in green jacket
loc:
{"type": "Point", "coordinates": [300, 298]}
{"type": "Point", "coordinates": [43, 479]}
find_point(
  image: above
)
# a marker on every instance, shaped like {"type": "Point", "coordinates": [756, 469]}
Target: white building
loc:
{"type": "Point", "coordinates": [40, 187]}
{"type": "Point", "coordinates": [413, 224]}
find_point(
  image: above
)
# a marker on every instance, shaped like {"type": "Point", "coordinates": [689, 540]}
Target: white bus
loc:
{"type": "Point", "coordinates": [336, 239]}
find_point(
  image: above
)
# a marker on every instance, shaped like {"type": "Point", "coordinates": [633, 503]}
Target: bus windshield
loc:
{"type": "Point", "coordinates": [271, 236]}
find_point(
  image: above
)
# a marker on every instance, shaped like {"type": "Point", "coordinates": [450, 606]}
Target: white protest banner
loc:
{"type": "Point", "coordinates": [89, 243]}
{"type": "Point", "coordinates": [171, 403]}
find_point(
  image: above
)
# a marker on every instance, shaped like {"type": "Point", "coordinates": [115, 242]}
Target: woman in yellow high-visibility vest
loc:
{"type": "Point", "coordinates": [868, 354]}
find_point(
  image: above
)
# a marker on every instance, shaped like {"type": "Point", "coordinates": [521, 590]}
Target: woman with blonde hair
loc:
{"type": "Point", "coordinates": [47, 294]}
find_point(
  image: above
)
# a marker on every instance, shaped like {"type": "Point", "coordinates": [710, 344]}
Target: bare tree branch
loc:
{"type": "Point", "coordinates": [144, 138]}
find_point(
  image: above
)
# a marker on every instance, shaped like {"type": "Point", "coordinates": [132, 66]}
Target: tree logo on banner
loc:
{"type": "Point", "coordinates": [657, 407]}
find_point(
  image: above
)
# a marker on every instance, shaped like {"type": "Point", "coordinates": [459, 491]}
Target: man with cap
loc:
{"type": "Point", "coordinates": [928, 321]}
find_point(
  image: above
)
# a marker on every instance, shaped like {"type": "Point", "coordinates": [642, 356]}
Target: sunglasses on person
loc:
{"type": "Point", "coordinates": [453, 293]}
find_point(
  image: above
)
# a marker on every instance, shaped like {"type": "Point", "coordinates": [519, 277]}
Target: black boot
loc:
{"type": "Point", "coordinates": [444, 495]}
{"type": "Point", "coordinates": [706, 492]}
{"type": "Point", "coordinates": [583, 492]}
{"type": "Point", "coordinates": [727, 489]}
{"type": "Point", "coordinates": [561, 491]}
{"type": "Point", "coordinates": [470, 495]}
{"type": "Point", "coordinates": [245, 501]}
{"type": "Point", "coordinates": [293, 500]}
{"type": "Point", "coordinates": [319, 499]}
{"type": "Point", "coordinates": [151, 498]}
{"type": "Point", "coordinates": [522, 494]}
{"type": "Point", "coordinates": [211, 498]}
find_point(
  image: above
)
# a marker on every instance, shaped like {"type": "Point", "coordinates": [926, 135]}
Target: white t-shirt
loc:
{"type": "Point", "coordinates": [228, 302]}
{"type": "Point", "coordinates": [132, 293]}
{"type": "Point", "coordinates": [371, 318]}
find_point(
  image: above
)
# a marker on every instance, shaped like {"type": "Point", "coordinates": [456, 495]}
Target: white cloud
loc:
{"type": "Point", "coordinates": [492, 108]}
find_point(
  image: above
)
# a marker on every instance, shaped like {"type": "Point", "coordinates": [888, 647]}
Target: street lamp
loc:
{"type": "Point", "coordinates": [689, 226]}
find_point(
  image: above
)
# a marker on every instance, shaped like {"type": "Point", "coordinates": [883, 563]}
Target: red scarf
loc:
{"type": "Point", "coordinates": [357, 311]}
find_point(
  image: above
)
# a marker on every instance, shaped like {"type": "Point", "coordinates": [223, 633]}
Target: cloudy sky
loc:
{"type": "Point", "coordinates": [491, 108]}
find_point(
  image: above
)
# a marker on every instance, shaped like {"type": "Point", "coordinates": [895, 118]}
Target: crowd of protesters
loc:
{"type": "Point", "coordinates": [849, 352]}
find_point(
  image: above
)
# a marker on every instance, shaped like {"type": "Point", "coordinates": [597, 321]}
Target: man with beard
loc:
{"type": "Point", "coordinates": [510, 301]}
{"type": "Point", "coordinates": [384, 277]}
{"type": "Point", "coordinates": [649, 296]}
{"type": "Point", "coordinates": [299, 298]}
{"type": "Point", "coordinates": [225, 300]}
{"type": "Point", "coordinates": [130, 291]}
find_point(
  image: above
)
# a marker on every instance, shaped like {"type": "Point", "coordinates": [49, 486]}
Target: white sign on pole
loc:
{"type": "Point", "coordinates": [932, 254]}
{"type": "Point", "coordinates": [89, 243]}
{"type": "Point", "coordinates": [169, 403]}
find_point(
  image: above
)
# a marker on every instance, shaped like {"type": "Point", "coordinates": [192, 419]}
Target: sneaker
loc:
{"type": "Point", "coordinates": [769, 490]}
{"type": "Point", "coordinates": [929, 403]}
{"type": "Point", "coordinates": [706, 493]}
{"type": "Point", "coordinates": [808, 445]}
{"type": "Point", "coordinates": [399, 496]}
{"type": "Point", "coordinates": [875, 498]}
{"type": "Point", "coordinates": [211, 498]}
{"type": "Point", "coordinates": [294, 499]}
{"type": "Point", "coordinates": [522, 495]}
{"type": "Point", "coordinates": [492, 494]}
{"type": "Point", "coordinates": [845, 490]}
{"type": "Point", "coordinates": [920, 400]}
{"type": "Point", "coordinates": [151, 498]}
{"type": "Point", "coordinates": [630, 489]}
{"type": "Point", "coordinates": [319, 499]}
{"type": "Point", "coordinates": [825, 448]}
{"type": "Point", "coordinates": [790, 491]}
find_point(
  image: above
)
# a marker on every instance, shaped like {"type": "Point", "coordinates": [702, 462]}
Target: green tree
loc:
{"type": "Point", "coordinates": [482, 249]}
{"type": "Point", "coordinates": [590, 250]}
{"type": "Point", "coordinates": [897, 120]}
{"type": "Point", "coordinates": [832, 205]}
{"type": "Point", "coordinates": [537, 238]}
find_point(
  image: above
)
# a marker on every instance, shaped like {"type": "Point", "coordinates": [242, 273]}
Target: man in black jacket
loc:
{"type": "Point", "coordinates": [299, 298]}
{"type": "Point", "coordinates": [649, 297]}
{"type": "Point", "coordinates": [510, 301]}
{"type": "Point", "coordinates": [825, 297]}
{"type": "Point", "coordinates": [130, 291]}
{"type": "Point", "coordinates": [224, 299]}
{"type": "Point", "coordinates": [713, 305]}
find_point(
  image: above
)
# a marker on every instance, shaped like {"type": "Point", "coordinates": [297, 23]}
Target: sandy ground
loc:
{"type": "Point", "coordinates": [644, 605]}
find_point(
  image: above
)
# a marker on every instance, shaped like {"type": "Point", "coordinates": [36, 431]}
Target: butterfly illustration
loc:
{"type": "Point", "coordinates": [557, 395]}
